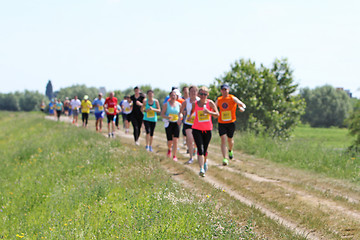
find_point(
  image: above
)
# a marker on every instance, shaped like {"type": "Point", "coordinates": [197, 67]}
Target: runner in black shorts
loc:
{"type": "Point", "coordinates": [227, 128]}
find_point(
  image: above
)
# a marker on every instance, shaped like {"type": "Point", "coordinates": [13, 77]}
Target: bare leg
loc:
{"type": "Point", "coordinates": [174, 147]}
{"type": "Point", "coordinates": [223, 145]}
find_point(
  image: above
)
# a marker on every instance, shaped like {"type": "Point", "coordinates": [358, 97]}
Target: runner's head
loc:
{"type": "Point", "coordinates": [75, 97]}
{"type": "Point", "coordinates": [137, 90]}
{"type": "Point", "coordinates": [86, 97]}
{"type": "Point", "coordinates": [177, 92]}
{"type": "Point", "coordinates": [173, 95]}
{"type": "Point", "coordinates": [100, 95]}
{"type": "Point", "coordinates": [225, 88]}
{"type": "Point", "coordinates": [203, 93]}
{"type": "Point", "coordinates": [193, 91]}
{"type": "Point", "coordinates": [185, 92]}
{"type": "Point", "coordinates": [111, 94]}
{"type": "Point", "coordinates": [150, 94]}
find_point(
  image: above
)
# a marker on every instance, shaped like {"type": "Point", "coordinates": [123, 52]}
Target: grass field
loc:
{"type": "Point", "coordinates": [322, 150]}
{"type": "Point", "coordinates": [61, 182]}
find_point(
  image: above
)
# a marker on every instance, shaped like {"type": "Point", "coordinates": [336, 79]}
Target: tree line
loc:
{"type": "Point", "coordinates": [275, 104]}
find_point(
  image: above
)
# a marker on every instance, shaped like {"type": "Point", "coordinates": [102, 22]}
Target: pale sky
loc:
{"type": "Point", "coordinates": [120, 44]}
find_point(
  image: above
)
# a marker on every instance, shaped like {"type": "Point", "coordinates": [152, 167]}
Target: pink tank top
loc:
{"type": "Point", "coordinates": [202, 121]}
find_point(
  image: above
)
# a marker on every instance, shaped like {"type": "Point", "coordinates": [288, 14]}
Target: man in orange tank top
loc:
{"type": "Point", "coordinates": [227, 104]}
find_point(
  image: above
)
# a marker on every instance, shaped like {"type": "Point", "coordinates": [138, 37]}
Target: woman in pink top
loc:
{"type": "Point", "coordinates": [204, 109]}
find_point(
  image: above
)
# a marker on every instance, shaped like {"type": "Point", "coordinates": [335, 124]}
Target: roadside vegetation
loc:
{"type": "Point", "coordinates": [57, 181]}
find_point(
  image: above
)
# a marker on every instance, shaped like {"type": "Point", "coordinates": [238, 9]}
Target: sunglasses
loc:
{"type": "Point", "coordinates": [203, 94]}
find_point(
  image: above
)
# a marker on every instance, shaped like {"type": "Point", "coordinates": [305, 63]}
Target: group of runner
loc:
{"type": "Point", "coordinates": [193, 110]}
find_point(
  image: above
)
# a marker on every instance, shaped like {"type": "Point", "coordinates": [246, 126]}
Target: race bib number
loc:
{"type": "Point", "coordinates": [101, 108]}
{"type": "Point", "coordinates": [127, 109]}
{"type": "Point", "coordinates": [226, 115]}
{"type": "Point", "coordinates": [51, 108]}
{"type": "Point", "coordinates": [150, 114]}
{"type": "Point", "coordinates": [75, 108]}
{"type": "Point", "coordinates": [111, 110]}
{"type": "Point", "coordinates": [58, 108]}
{"type": "Point", "coordinates": [190, 120]}
{"type": "Point", "coordinates": [173, 117]}
{"type": "Point", "coordinates": [203, 117]}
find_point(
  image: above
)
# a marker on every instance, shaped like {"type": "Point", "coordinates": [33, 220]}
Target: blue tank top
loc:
{"type": "Point", "coordinates": [173, 112]}
{"type": "Point", "coordinates": [151, 115]}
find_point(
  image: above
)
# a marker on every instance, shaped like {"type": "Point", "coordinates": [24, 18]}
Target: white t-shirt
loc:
{"type": "Point", "coordinates": [75, 104]}
{"type": "Point", "coordinates": [126, 107]}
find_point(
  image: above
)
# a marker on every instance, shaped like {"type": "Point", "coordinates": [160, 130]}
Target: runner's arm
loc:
{"type": "Point", "coordinates": [241, 105]}
{"type": "Point", "coordinates": [158, 109]}
{"type": "Point", "coordinates": [164, 111]}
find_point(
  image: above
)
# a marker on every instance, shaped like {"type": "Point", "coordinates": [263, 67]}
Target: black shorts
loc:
{"type": "Point", "coordinates": [227, 128]}
{"type": "Point", "coordinates": [126, 117]}
{"type": "Point", "coordinates": [172, 130]}
{"type": "Point", "coordinates": [110, 117]}
{"type": "Point", "coordinates": [186, 127]}
{"type": "Point", "coordinates": [149, 127]}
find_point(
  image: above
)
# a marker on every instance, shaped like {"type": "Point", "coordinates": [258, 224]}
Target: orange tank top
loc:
{"type": "Point", "coordinates": [202, 121]}
{"type": "Point", "coordinates": [227, 108]}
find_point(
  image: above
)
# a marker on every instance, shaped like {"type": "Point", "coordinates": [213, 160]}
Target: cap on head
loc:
{"type": "Point", "coordinates": [226, 86]}
{"type": "Point", "coordinates": [177, 92]}
{"type": "Point", "coordinates": [86, 97]}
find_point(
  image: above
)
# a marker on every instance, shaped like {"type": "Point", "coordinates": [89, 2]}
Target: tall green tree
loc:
{"type": "Point", "coordinates": [49, 90]}
{"type": "Point", "coordinates": [272, 107]}
{"type": "Point", "coordinates": [325, 106]}
{"type": "Point", "coordinates": [354, 126]}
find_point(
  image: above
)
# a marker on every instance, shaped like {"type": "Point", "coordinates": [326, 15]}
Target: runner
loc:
{"type": "Point", "coordinates": [85, 110]}
{"type": "Point", "coordinates": [204, 109]}
{"type": "Point", "coordinates": [59, 109]}
{"type": "Point", "coordinates": [136, 115]}
{"type": "Point", "coordinates": [75, 105]}
{"type": "Point", "coordinates": [52, 108]}
{"type": "Point", "coordinates": [151, 108]}
{"type": "Point", "coordinates": [185, 95]}
{"type": "Point", "coordinates": [227, 107]}
{"type": "Point", "coordinates": [98, 103]}
{"type": "Point", "coordinates": [66, 106]}
{"type": "Point", "coordinates": [189, 120]}
{"type": "Point", "coordinates": [126, 108]}
{"type": "Point", "coordinates": [170, 113]}
{"type": "Point", "coordinates": [110, 109]}
{"type": "Point", "coordinates": [116, 118]}
{"type": "Point", "coordinates": [42, 106]}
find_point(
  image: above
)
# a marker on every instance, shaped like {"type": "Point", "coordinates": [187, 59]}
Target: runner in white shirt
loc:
{"type": "Point", "coordinates": [189, 119]}
{"type": "Point", "coordinates": [126, 107]}
{"type": "Point", "coordinates": [75, 106]}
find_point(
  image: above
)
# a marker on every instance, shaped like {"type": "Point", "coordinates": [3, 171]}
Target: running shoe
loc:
{"type": "Point", "coordinates": [112, 134]}
{"type": "Point", "coordinates": [205, 167]}
{"type": "Point", "coordinates": [109, 135]}
{"type": "Point", "coordinates": [202, 172]}
{"type": "Point", "coordinates": [137, 143]}
{"type": "Point", "coordinates": [190, 161]}
{"type": "Point", "coordinates": [231, 154]}
{"type": "Point", "coordinates": [175, 158]}
{"type": "Point", "coordinates": [150, 149]}
{"type": "Point", "coordinates": [169, 153]}
{"type": "Point", "coordinates": [225, 162]}
{"type": "Point", "coordinates": [147, 148]}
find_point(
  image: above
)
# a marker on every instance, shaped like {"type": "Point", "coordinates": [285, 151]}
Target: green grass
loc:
{"type": "Point", "coordinates": [321, 150]}
{"type": "Point", "coordinates": [62, 182]}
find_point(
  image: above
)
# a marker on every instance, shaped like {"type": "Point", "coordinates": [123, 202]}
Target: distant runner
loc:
{"type": "Point", "coordinates": [85, 110]}
{"type": "Point", "coordinates": [151, 108]}
{"type": "Point", "coordinates": [52, 107]}
{"type": "Point", "coordinates": [189, 120]}
{"type": "Point", "coordinates": [170, 113]}
{"type": "Point", "coordinates": [227, 104]}
{"type": "Point", "coordinates": [75, 105]}
{"type": "Point", "coordinates": [203, 109]}
{"type": "Point", "coordinates": [98, 104]}
{"type": "Point", "coordinates": [136, 115]}
{"type": "Point", "coordinates": [67, 106]}
{"type": "Point", "coordinates": [59, 109]}
{"type": "Point", "coordinates": [110, 109]}
{"type": "Point", "coordinates": [42, 106]}
{"type": "Point", "coordinates": [126, 108]}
